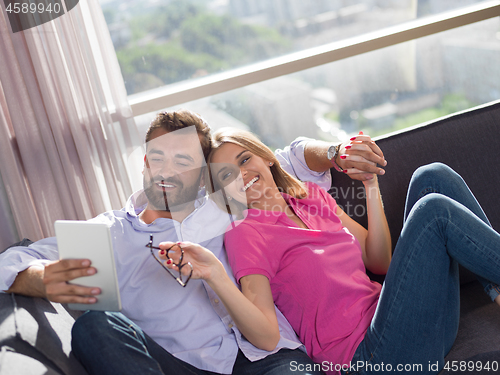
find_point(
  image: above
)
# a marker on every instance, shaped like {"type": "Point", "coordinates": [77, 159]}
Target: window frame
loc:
{"type": "Point", "coordinates": [186, 91]}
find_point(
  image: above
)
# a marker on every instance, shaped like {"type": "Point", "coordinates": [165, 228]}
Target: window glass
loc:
{"type": "Point", "coordinates": [377, 92]}
{"type": "Point", "coordinates": [159, 42]}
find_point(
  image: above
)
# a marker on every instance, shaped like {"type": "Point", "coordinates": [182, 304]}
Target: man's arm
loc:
{"type": "Point", "coordinates": [29, 282]}
{"type": "Point", "coordinates": [31, 271]}
{"type": "Point", "coordinates": [51, 282]}
{"type": "Point", "coordinates": [293, 160]}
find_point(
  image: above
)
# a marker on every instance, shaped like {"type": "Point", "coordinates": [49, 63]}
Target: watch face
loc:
{"type": "Point", "coordinates": [331, 152]}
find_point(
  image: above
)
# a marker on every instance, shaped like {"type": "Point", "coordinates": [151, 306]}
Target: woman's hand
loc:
{"type": "Point", "coordinates": [376, 241]}
{"type": "Point", "coordinates": [371, 182]}
{"type": "Point", "coordinates": [205, 264]}
{"type": "Point", "coordinates": [254, 316]}
{"type": "Point", "coordinates": [359, 158]}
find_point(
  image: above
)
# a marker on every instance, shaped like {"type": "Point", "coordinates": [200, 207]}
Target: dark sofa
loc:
{"type": "Point", "coordinates": [35, 334]}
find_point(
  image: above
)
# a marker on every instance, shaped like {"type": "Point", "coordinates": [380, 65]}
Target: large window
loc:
{"type": "Point", "coordinates": [160, 42]}
{"type": "Point", "coordinates": [164, 44]}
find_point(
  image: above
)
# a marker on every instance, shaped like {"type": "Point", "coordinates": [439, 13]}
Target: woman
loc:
{"type": "Point", "coordinates": [299, 249]}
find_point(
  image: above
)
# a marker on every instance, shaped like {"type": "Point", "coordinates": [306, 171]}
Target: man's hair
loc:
{"type": "Point", "coordinates": [182, 118]}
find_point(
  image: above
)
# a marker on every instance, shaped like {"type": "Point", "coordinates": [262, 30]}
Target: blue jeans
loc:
{"type": "Point", "coordinates": [417, 317]}
{"type": "Point", "coordinates": [109, 343]}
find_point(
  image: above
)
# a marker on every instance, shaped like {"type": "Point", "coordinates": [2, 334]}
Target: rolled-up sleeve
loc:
{"type": "Point", "coordinates": [17, 259]}
{"type": "Point", "coordinates": [293, 161]}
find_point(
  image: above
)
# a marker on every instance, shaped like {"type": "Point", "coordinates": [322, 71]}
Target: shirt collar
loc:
{"type": "Point", "coordinates": [138, 201]}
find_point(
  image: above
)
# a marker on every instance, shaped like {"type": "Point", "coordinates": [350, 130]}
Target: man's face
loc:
{"type": "Point", "coordinates": [173, 166]}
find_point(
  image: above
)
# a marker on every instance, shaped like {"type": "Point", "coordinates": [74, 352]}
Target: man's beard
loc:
{"type": "Point", "coordinates": [163, 201]}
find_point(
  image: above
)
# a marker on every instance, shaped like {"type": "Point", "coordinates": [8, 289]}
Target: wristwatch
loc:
{"type": "Point", "coordinates": [332, 153]}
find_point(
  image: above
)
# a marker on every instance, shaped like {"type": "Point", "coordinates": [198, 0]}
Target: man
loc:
{"type": "Point", "coordinates": [165, 328]}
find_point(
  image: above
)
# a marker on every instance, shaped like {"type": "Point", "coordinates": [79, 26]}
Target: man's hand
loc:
{"type": "Point", "coordinates": [57, 275]}
{"type": "Point", "coordinates": [359, 158]}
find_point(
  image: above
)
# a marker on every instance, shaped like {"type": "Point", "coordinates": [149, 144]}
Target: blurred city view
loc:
{"type": "Point", "coordinates": [162, 42]}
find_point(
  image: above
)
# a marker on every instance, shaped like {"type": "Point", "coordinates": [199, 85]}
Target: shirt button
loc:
{"type": "Point", "coordinates": [216, 300]}
{"type": "Point", "coordinates": [230, 325]}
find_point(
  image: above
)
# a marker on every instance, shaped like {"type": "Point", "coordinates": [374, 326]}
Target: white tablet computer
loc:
{"type": "Point", "coordinates": [88, 240]}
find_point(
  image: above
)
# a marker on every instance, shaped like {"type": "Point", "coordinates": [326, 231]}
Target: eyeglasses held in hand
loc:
{"type": "Point", "coordinates": [180, 277]}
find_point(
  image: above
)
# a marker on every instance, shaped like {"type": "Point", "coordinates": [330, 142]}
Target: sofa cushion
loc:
{"type": "Point", "coordinates": [39, 329]}
{"type": "Point", "coordinates": [479, 329]}
{"type": "Point", "coordinates": [20, 364]}
{"type": "Point", "coordinates": [468, 142]}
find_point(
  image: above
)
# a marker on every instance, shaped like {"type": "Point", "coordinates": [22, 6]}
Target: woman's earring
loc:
{"type": "Point", "coordinates": [270, 164]}
{"type": "Point", "coordinates": [229, 198]}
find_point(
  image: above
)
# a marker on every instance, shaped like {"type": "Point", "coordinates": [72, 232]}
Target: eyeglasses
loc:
{"type": "Point", "coordinates": [180, 277]}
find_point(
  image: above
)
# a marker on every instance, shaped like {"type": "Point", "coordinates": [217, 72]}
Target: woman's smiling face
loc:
{"type": "Point", "coordinates": [245, 176]}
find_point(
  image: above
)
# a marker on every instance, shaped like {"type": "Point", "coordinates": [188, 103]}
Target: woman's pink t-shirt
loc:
{"type": "Point", "coordinates": [317, 276]}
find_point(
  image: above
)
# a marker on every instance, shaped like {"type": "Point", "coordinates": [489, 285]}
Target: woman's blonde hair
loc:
{"type": "Point", "coordinates": [285, 182]}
